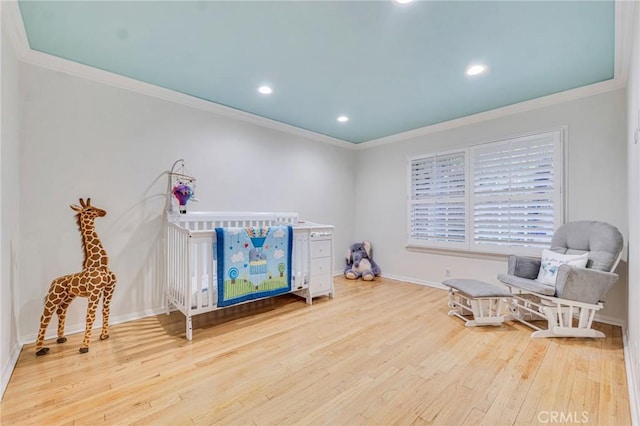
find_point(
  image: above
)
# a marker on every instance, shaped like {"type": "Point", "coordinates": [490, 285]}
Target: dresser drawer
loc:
{"type": "Point", "coordinates": [321, 267]}
{"type": "Point", "coordinates": [320, 248]}
{"type": "Point", "coordinates": [320, 285]}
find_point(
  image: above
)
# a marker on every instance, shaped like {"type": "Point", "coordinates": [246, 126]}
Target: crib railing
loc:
{"type": "Point", "coordinates": [208, 221]}
{"type": "Point", "coordinates": [177, 266]}
{"type": "Point", "coordinates": [191, 274]}
{"type": "Point", "coordinates": [203, 273]}
{"type": "Point", "coordinates": [300, 260]}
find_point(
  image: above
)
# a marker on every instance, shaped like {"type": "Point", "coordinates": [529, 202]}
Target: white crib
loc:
{"type": "Point", "coordinates": [191, 270]}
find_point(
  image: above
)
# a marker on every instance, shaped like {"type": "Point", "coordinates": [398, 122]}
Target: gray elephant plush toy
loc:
{"type": "Point", "coordinates": [360, 262]}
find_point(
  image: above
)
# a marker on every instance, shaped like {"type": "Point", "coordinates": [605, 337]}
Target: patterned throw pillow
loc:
{"type": "Point", "coordinates": [551, 261]}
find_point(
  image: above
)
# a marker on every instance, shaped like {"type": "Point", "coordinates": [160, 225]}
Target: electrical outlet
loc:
{"type": "Point", "coordinates": [447, 272]}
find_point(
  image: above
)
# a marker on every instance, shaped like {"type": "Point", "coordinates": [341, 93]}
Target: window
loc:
{"type": "Point", "coordinates": [502, 197]}
{"type": "Point", "coordinates": [438, 200]}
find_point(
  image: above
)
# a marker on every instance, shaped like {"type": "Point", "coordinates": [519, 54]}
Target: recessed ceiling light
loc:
{"type": "Point", "coordinates": [476, 69]}
{"type": "Point", "coordinates": [343, 119]}
{"type": "Point", "coordinates": [403, 1]}
{"type": "Point", "coordinates": [265, 90]}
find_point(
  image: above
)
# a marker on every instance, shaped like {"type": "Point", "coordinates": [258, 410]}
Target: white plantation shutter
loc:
{"type": "Point", "coordinates": [437, 200]}
{"type": "Point", "coordinates": [500, 197]}
{"type": "Point", "coordinates": [516, 193]}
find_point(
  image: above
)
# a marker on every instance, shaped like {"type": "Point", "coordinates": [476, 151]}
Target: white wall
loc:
{"type": "Point", "coordinates": [596, 184]}
{"type": "Point", "coordinates": [81, 138]}
{"type": "Point", "coordinates": [9, 224]}
{"type": "Point", "coordinates": [633, 132]}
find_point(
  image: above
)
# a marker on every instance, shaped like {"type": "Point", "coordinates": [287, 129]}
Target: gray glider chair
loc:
{"type": "Point", "coordinates": [564, 288]}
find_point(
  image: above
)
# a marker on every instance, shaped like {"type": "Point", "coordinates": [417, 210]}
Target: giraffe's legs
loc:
{"type": "Point", "coordinates": [106, 302]}
{"type": "Point", "coordinates": [91, 317]}
{"type": "Point", "coordinates": [62, 316]}
{"type": "Point", "coordinates": [50, 304]}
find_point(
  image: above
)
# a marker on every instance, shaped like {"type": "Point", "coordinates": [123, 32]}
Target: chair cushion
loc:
{"type": "Point", "coordinates": [528, 285]}
{"type": "Point", "coordinates": [475, 288]}
{"type": "Point", "coordinates": [603, 242]}
{"type": "Point", "coordinates": [551, 261]}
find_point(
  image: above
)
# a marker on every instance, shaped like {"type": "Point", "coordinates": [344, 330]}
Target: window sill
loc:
{"type": "Point", "coordinates": [457, 252]}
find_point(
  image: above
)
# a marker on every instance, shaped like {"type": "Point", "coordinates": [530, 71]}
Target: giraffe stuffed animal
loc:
{"type": "Point", "coordinates": [94, 281]}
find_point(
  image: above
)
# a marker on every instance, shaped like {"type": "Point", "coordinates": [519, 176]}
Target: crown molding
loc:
{"type": "Point", "coordinates": [14, 27]}
{"type": "Point", "coordinates": [75, 69]}
{"type": "Point", "coordinates": [545, 101]}
{"type": "Point", "coordinates": [12, 20]}
{"type": "Point", "coordinates": [624, 14]}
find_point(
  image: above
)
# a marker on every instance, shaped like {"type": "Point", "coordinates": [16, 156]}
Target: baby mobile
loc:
{"type": "Point", "coordinates": [183, 185]}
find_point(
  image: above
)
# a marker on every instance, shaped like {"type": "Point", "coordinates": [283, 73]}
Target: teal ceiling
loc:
{"type": "Point", "coordinates": [389, 67]}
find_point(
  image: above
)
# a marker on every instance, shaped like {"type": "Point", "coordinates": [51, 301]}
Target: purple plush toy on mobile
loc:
{"type": "Point", "coordinates": [183, 193]}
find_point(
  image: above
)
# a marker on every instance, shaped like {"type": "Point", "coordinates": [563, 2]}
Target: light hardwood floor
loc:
{"type": "Point", "coordinates": [379, 353]}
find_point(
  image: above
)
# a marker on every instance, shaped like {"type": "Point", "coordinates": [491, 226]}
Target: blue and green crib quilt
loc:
{"type": "Point", "coordinates": [252, 262]}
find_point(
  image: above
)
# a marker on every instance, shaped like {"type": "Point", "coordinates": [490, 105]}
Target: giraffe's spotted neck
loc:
{"type": "Point", "coordinates": [94, 253]}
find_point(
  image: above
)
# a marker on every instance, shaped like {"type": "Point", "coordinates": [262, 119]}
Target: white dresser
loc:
{"type": "Point", "coordinates": [319, 240]}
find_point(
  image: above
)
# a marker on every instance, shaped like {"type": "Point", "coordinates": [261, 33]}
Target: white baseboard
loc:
{"type": "Point", "coordinates": [605, 319]}
{"type": "Point", "coordinates": [7, 369]}
{"type": "Point", "coordinates": [634, 402]}
{"type": "Point", "coordinates": [79, 328]}
{"type": "Point", "coordinates": [406, 279]}
{"type": "Point", "coordinates": [416, 281]}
